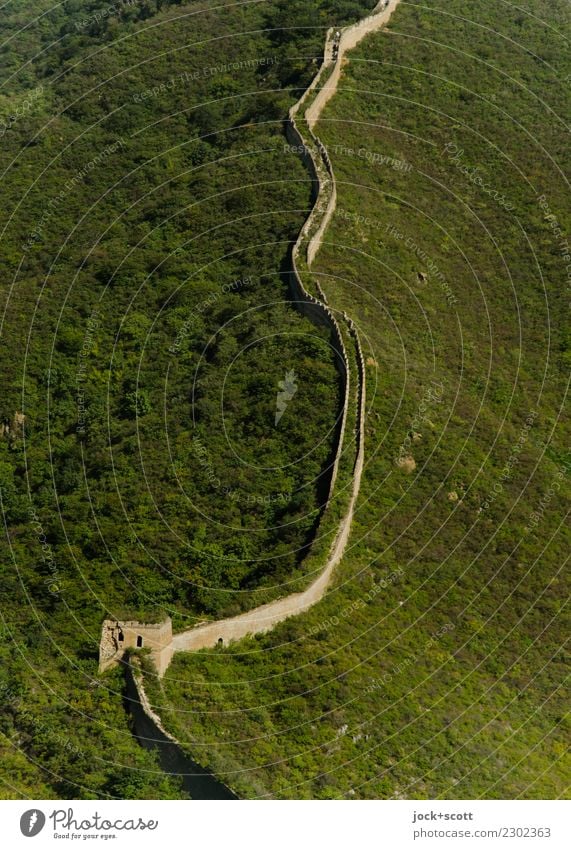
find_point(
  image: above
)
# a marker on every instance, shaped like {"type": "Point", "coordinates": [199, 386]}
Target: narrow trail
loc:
{"type": "Point", "coordinates": [300, 132]}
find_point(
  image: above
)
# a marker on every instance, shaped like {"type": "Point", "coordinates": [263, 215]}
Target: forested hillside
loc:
{"type": "Point", "coordinates": [436, 666]}
{"type": "Point", "coordinates": [147, 215]}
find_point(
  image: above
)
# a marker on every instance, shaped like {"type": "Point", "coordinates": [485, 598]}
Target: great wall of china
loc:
{"type": "Point", "coordinates": [117, 637]}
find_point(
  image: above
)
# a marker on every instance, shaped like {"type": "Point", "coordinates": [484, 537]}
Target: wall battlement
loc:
{"type": "Point", "coordinates": [117, 637]}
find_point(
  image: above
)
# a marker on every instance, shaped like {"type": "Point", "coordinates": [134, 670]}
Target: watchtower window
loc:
{"type": "Point", "coordinates": [139, 642]}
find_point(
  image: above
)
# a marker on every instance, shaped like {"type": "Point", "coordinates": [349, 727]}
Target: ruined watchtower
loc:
{"type": "Point", "coordinates": [117, 636]}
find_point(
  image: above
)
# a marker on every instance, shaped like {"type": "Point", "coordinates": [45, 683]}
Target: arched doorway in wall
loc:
{"type": "Point", "coordinates": [139, 641]}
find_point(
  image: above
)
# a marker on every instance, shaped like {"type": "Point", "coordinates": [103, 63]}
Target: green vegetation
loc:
{"type": "Point", "coordinates": [148, 210]}
{"type": "Point", "coordinates": [435, 667]}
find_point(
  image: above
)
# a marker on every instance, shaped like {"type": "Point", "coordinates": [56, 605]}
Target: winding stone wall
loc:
{"type": "Point", "coordinates": [350, 37]}
{"type": "Point", "coordinates": [324, 196]}
{"type": "Point", "coordinates": [308, 303]}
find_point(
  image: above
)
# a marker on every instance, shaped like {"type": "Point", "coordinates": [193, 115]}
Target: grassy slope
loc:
{"type": "Point", "coordinates": [370, 703]}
